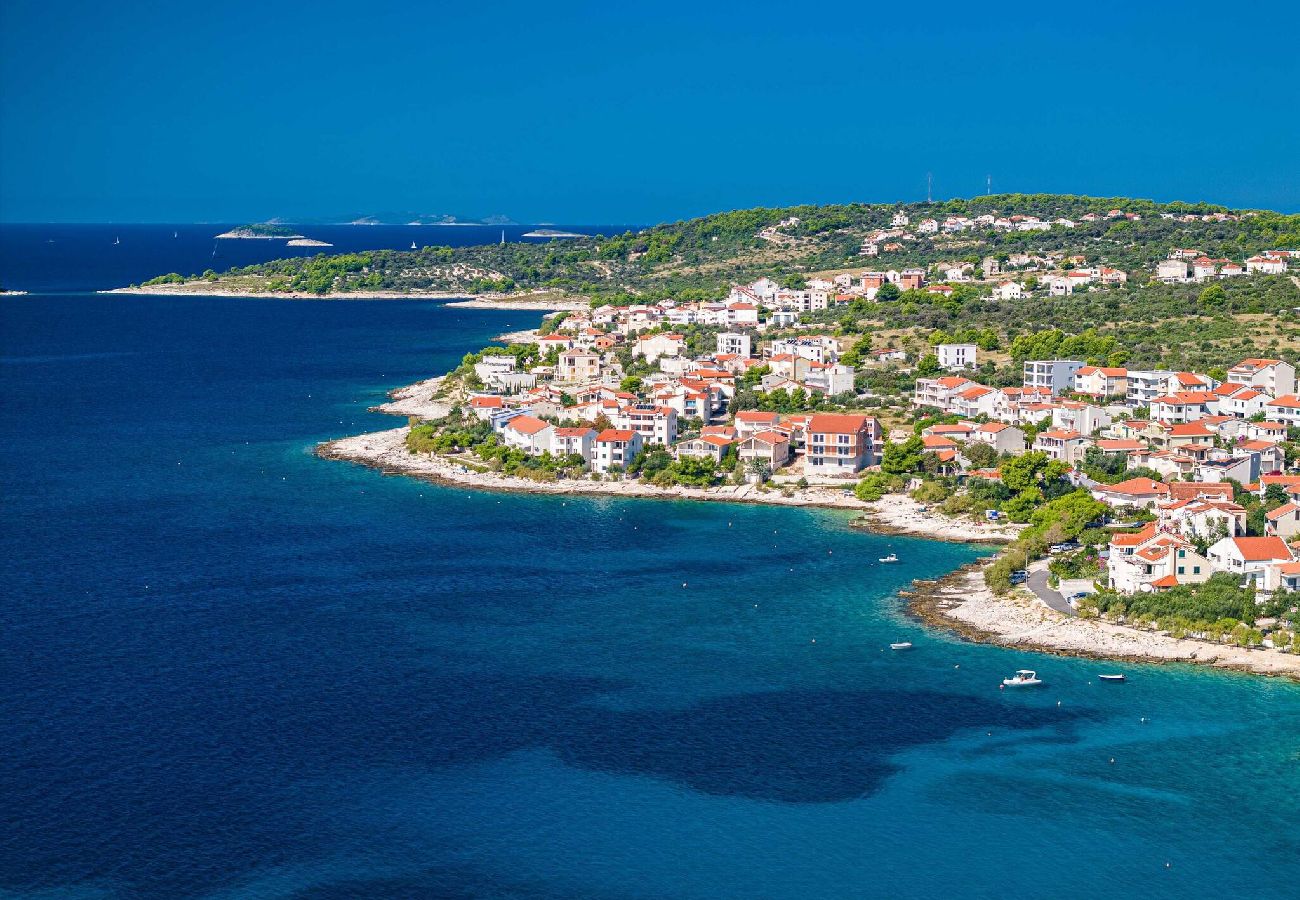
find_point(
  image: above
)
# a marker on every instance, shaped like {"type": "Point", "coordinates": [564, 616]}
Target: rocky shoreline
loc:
{"type": "Point", "coordinates": [523, 302]}
{"type": "Point", "coordinates": [960, 602]}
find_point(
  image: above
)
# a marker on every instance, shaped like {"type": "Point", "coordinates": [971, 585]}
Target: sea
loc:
{"type": "Point", "coordinates": [229, 668]}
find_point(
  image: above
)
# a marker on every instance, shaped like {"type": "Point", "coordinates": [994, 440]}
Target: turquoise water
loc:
{"type": "Point", "coordinates": [232, 669]}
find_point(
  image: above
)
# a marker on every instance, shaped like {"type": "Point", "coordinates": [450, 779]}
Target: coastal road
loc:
{"type": "Point", "coordinates": [1038, 584]}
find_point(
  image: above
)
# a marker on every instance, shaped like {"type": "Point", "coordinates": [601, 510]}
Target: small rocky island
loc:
{"type": "Point", "coordinates": [265, 232]}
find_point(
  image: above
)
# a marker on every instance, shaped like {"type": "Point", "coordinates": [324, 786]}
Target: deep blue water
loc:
{"type": "Point", "coordinates": [231, 669]}
{"type": "Point", "coordinates": [96, 257]}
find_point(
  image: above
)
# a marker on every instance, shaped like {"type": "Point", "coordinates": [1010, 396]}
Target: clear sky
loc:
{"type": "Point", "coordinates": [629, 112]}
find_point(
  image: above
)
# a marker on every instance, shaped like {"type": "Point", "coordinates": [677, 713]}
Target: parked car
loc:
{"type": "Point", "coordinates": [1020, 576]}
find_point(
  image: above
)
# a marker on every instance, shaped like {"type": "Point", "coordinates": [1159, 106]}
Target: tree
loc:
{"type": "Point", "coordinates": [1021, 473]}
{"type": "Point", "coordinates": [1020, 507]}
{"type": "Point", "coordinates": [928, 366]}
{"type": "Point", "coordinates": [1213, 297]}
{"type": "Point", "coordinates": [887, 292]}
{"type": "Point", "coordinates": [904, 458]}
{"type": "Point", "coordinates": [631, 384]}
{"type": "Point", "coordinates": [980, 455]}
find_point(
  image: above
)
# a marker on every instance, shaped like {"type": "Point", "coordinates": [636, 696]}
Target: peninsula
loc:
{"type": "Point", "coordinates": [1105, 386]}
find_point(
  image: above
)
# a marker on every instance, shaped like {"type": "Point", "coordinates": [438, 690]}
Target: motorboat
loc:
{"type": "Point", "coordinates": [1111, 677]}
{"type": "Point", "coordinates": [901, 645]}
{"type": "Point", "coordinates": [893, 557]}
{"type": "Point", "coordinates": [1022, 678]}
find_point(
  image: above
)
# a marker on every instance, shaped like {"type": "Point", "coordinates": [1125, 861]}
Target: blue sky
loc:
{"type": "Point", "coordinates": [612, 113]}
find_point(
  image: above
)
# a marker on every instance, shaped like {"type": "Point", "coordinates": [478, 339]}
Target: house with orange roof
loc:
{"type": "Point", "coordinates": [1266, 431]}
{"type": "Point", "coordinates": [771, 448]}
{"type": "Point", "coordinates": [1285, 409]}
{"type": "Point", "coordinates": [1284, 522]}
{"type": "Point", "coordinates": [1243, 402]}
{"type": "Point", "coordinates": [752, 421]}
{"type": "Point", "coordinates": [1071, 415]}
{"type": "Point", "coordinates": [1065, 445]}
{"type": "Point", "coordinates": [1100, 381]}
{"type": "Point", "coordinates": [615, 448]}
{"type": "Point", "coordinates": [1140, 492]}
{"type": "Point", "coordinates": [1248, 557]}
{"type": "Point", "coordinates": [579, 441]}
{"type": "Point", "coordinates": [707, 446]}
{"type": "Point", "coordinates": [527, 433]}
{"type": "Point", "coordinates": [1203, 518]}
{"type": "Point", "coordinates": [840, 444]}
{"type": "Point", "coordinates": [1001, 437]}
{"type": "Point", "coordinates": [485, 405]}
{"type": "Point", "coordinates": [939, 392]}
{"type": "Point", "coordinates": [1275, 377]}
{"type": "Point", "coordinates": [1184, 406]}
{"type": "Point", "coordinates": [653, 346]}
{"type": "Point", "coordinates": [1154, 558]}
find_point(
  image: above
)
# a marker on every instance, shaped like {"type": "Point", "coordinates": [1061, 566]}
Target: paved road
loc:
{"type": "Point", "coordinates": [1038, 584]}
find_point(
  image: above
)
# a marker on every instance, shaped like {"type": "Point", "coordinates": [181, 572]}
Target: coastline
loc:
{"type": "Point", "coordinates": [386, 451]}
{"type": "Point", "coordinates": [960, 602]}
{"type": "Point", "coordinates": [526, 302]}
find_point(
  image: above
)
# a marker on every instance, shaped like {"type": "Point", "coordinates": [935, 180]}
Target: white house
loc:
{"type": "Point", "coordinates": [653, 346]}
{"type": "Point", "coordinates": [1099, 381]}
{"type": "Point", "coordinates": [839, 444]}
{"type": "Point", "coordinates": [615, 447]}
{"type": "Point", "coordinates": [1057, 375]}
{"type": "Point", "coordinates": [957, 356]}
{"type": "Point", "coordinates": [734, 342]}
{"type": "Point", "coordinates": [580, 441]}
{"type": "Point", "coordinates": [1272, 376]}
{"type": "Point", "coordinates": [528, 433]}
{"type": "Point", "coordinates": [1248, 557]}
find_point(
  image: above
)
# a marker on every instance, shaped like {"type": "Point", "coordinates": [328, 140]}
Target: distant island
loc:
{"type": "Point", "coordinates": [551, 233]}
{"type": "Point", "coordinates": [308, 242]}
{"type": "Point", "coordinates": [262, 231]}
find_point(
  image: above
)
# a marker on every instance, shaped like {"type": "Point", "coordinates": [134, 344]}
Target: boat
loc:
{"type": "Point", "coordinates": [413, 247]}
{"type": "Point", "coordinates": [893, 557]}
{"type": "Point", "coordinates": [1022, 678]}
{"type": "Point", "coordinates": [901, 645]}
{"type": "Point", "coordinates": [175, 234]}
{"type": "Point", "coordinates": [117, 240]}
{"type": "Point", "coordinates": [503, 237]}
{"type": "Point", "coordinates": [1119, 677]}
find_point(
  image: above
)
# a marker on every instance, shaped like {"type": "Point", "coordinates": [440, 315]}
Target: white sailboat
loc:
{"type": "Point", "coordinates": [412, 245]}
{"type": "Point", "coordinates": [503, 237]}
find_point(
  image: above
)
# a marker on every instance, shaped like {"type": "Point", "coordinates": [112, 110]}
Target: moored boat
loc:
{"type": "Point", "coordinates": [901, 645]}
{"type": "Point", "coordinates": [1111, 677]}
{"type": "Point", "coordinates": [891, 558]}
{"type": "Point", "coordinates": [1023, 678]}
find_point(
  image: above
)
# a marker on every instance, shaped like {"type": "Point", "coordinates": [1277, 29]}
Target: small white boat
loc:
{"type": "Point", "coordinates": [901, 645]}
{"type": "Point", "coordinates": [1111, 677]}
{"type": "Point", "coordinates": [893, 557]}
{"type": "Point", "coordinates": [413, 245]}
{"type": "Point", "coordinates": [1022, 678]}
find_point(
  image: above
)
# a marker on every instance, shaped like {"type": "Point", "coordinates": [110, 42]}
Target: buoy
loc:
{"type": "Point", "coordinates": [683, 584]}
{"type": "Point", "coordinates": [1112, 760]}
{"type": "Point", "coordinates": [1001, 687]}
{"type": "Point", "coordinates": [1058, 702]}
{"type": "Point", "coordinates": [958, 666]}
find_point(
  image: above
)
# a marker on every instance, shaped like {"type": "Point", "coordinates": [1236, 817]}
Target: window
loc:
{"type": "Point", "coordinates": [1196, 570]}
{"type": "Point", "coordinates": [1180, 570]}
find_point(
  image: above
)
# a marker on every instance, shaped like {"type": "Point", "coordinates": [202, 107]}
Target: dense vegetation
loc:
{"type": "Point", "coordinates": [699, 258]}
